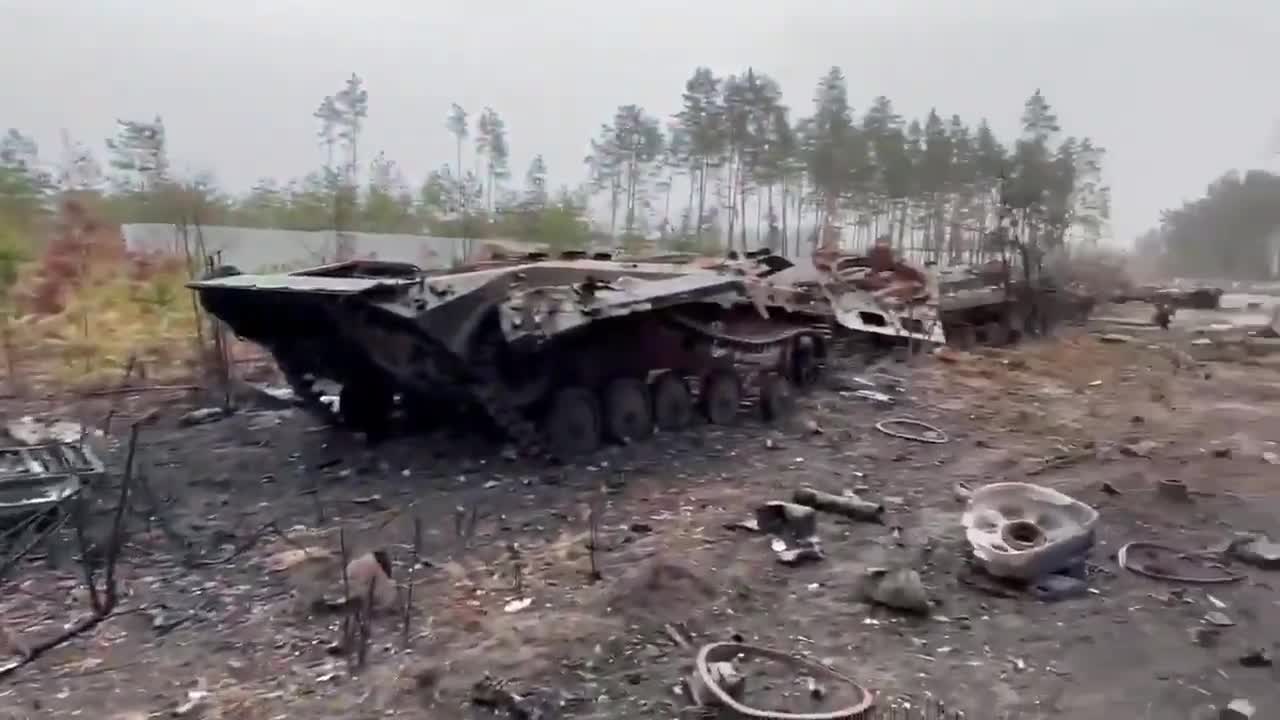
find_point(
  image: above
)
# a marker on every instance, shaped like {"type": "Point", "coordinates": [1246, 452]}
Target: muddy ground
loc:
{"type": "Point", "coordinates": [1102, 422]}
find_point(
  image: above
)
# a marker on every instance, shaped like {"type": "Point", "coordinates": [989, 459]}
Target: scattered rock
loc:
{"type": "Point", "coordinates": [369, 576]}
{"type": "Point", "coordinates": [1173, 489]}
{"type": "Point", "coordinates": [1055, 587]}
{"type": "Point", "coordinates": [1219, 619]}
{"type": "Point", "coordinates": [1205, 637]}
{"type": "Point", "coordinates": [901, 589]}
{"type": "Point", "coordinates": [1115, 338]}
{"type": "Point", "coordinates": [1238, 709]}
{"type": "Point", "coordinates": [193, 705]}
{"type": "Point", "coordinates": [1257, 550]}
{"type": "Point", "coordinates": [1110, 489]}
{"type": "Point", "coordinates": [1256, 658]}
{"type": "Point", "coordinates": [784, 518]}
{"type": "Point", "coordinates": [1224, 452]}
{"type": "Point", "coordinates": [1142, 448]}
{"type": "Point", "coordinates": [801, 555]}
{"type": "Point", "coordinates": [639, 527]}
{"type": "Point", "coordinates": [202, 416]}
{"type": "Point", "coordinates": [813, 427]}
{"type": "Point", "coordinates": [1271, 458]}
{"type": "Point", "coordinates": [287, 559]}
{"type": "Point", "coordinates": [491, 693]}
{"type": "Point", "coordinates": [517, 605]}
{"type": "Point", "coordinates": [961, 492]}
{"type": "Point", "coordinates": [537, 705]}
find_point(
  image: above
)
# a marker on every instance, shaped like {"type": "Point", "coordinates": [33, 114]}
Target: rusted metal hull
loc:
{"type": "Point", "coordinates": [514, 339]}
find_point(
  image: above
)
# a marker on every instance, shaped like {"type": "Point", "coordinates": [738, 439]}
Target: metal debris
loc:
{"type": "Point", "coordinates": [728, 652]}
{"type": "Point", "coordinates": [1257, 550]}
{"type": "Point", "coordinates": [202, 416]}
{"type": "Point", "coordinates": [37, 478]}
{"type": "Point", "coordinates": [920, 431]}
{"type": "Point", "coordinates": [849, 505]}
{"type": "Point", "coordinates": [901, 589]}
{"type": "Point", "coordinates": [1025, 532]}
{"type": "Point", "coordinates": [1156, 560]}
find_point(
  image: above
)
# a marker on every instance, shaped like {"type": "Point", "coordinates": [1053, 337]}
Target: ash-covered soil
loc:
{"type": "Point", "coordinates": [208, 606]}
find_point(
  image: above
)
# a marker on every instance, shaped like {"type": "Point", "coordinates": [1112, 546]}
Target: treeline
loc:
{"type": "Point", "coordinates": [1233, 231]}
{"type": "Point", "coordinates": [734, 166]}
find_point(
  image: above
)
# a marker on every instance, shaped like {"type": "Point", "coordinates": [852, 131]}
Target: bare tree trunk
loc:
{"type": "Point", "coordinates": [615, 187]}
{"type": "Point", "coordinates": [702, 198]}
{"type": "Point", "coordinates": [733, 201]}
{"type": "Point", "coordinates": [784, 218]}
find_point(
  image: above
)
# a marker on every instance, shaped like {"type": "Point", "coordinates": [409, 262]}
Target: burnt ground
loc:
{"type": "Point", "coordinates": [1070, 413]}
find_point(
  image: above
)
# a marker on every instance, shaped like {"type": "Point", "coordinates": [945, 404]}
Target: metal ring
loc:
{"type": "Point", "coordinates": [719, 652]}
{"type": "Point", "coordinates": [930, 433]}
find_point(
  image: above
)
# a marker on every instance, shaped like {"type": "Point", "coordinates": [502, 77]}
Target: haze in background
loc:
{"type": "Point", "coordinates": [1177, 92]}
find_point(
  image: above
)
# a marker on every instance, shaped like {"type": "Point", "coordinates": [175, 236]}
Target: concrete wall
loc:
{"type": "Point", "coordinates": [258, 250]}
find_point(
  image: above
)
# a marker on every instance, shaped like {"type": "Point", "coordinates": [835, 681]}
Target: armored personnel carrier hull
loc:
{"type": "Point", "coordinates": [560, 355]}
{"type": "Point", "coordinates": [991, 306]}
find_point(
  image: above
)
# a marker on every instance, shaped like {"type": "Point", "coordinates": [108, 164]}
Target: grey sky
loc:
{"type": "Point", "coordinates": [1176, 90]}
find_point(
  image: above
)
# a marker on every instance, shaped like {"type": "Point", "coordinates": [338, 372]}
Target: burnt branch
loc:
{"type": "Point", "coordinates": [414, 561]}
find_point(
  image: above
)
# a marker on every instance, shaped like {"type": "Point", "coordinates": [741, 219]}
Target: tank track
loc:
{"type": "Point", "coordinates": [482, 378]}
{"type": "Point", "coordinates": [491, 395]}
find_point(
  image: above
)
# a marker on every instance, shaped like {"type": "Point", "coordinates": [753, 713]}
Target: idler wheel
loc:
{"type": "Point", "coordinates": [573, 423]}
{"type": "Point", "coordinates": [776, 400]}
{"type": "Point", "coordinates": [996, 334]}
{"type": "Point", "coordinates": [721, 395]}
{"type": "Point", "coordinates": [672, 404]}
{"type": "Point", "coordinates": [628, 414]}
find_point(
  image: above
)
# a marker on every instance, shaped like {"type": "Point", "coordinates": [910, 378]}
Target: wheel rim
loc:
{"type": "Point", "coordinates": [720, 398]}
{"type": "Point", "coordinates": [627, 411]}
{"type": "Point", "coordinates": [672, 406]}
{"type": "Point", "coordinates": [573, 424]}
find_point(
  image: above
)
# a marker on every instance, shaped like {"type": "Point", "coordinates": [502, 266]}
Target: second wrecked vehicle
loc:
{"type": "Point", "coordinates": [559, 354]}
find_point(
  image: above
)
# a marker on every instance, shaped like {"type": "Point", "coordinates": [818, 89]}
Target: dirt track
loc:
{"type": "Point", "coordinates": [247, 636]}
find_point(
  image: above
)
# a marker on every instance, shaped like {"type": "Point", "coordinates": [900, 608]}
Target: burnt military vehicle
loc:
{"type": "Point", "coordinates": [559, 354]}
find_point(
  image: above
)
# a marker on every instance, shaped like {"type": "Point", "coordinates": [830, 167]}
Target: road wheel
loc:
{"type": "Point", "coordinates": [776, 399]}
{"type": "Point", "coordinates": [628, 415]}
{"type": "Point", "coordinates": [572, 423]}
{"type": "Point", "coordinates": [721, 395]}
{"type": "Point", "coordinates": [996, 334]}
{"type": "Point", "coordinates": [672, 404]}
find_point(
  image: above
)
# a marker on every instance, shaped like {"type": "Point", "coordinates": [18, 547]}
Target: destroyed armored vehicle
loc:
{"type": "Point", "coordinates": [558, 354]}
{"type": "Point", "coordinates": [994, 305]}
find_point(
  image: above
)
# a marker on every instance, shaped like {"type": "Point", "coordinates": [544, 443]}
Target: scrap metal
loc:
{"type": "Point", "coordinates": [560, 352]}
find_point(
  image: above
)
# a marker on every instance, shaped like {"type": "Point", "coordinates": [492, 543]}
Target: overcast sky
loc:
{"type": "Point", "coordinates": [1178, 91]}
